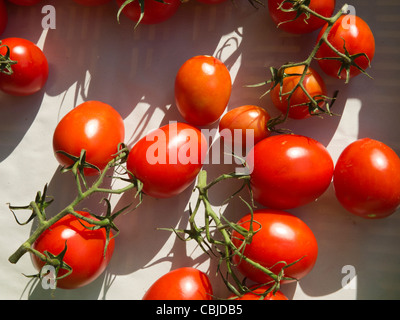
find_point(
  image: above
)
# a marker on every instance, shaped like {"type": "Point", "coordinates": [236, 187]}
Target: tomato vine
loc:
{"type": "Point", "coordinates": [279, 74]}
{"type": "Point", "coordinates": [203, 235]}
{"type": "Point", "coordinates": [225, 248]}
{"type": "Point", "coordinates": [221, 247]}
{"type": "Point", "coordinates": [42, 201]}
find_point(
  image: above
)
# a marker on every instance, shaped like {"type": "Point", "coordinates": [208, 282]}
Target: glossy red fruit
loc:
{"type": "Point", "coordinates": [280, 237]}
{"type": "Point", "coordinates": [367, 179]}
{"type": "Point", "coordinates": [31, 71]}
{"type": "Point", "coordinates": [84, 254]}
{"type": "Point", "coordinates": [181, 284]}
{"type": "Point", "coordinates": [93, 126]}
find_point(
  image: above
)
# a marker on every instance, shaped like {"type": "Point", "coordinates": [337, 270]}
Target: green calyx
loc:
{"type": "Point", "coordinates": [5, 62]}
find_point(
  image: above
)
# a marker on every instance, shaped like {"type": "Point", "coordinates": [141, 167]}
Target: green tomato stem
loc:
{"type": "Point", "coordinates": [229, 248]}
{"type": "Point", "coordinates": [45, 224]}
{"type": "Point", "coordinates": [277, 75]}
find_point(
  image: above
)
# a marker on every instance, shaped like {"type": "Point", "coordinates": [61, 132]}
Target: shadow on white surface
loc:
{"type": "Point", "coordinates": [95, 58]}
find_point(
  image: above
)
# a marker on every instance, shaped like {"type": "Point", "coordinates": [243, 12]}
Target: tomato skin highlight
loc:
{"type": "Point", "coordinates": [31, 71]}
{"type": "Point", "coordinates": [155, 12]}
{"type": "Point", "coordinates": [358, 38]}
{"type": "Point", "coordinates": [85, 250]}
{"type": "Point", "coordinates": [313, 83]}
{"type": "Point", "coordinates": [367, 179]}
{"type": "Point", "coordinates": [247, 117]}
{"type": "Point", "coordinates": [185, 283]}
{"type": "Point", "coordinates": [301, 25]}
{"type": "Point", "coordinates": [94, 126]}
{"type": "Point", "coordinates": [167, 160]}
{"type": "Point", "coordinates": [203, 87]}
{"type": "Point", "coordinates": [281, 237]}
{"type": "Point", "coordinates": [288, 171]}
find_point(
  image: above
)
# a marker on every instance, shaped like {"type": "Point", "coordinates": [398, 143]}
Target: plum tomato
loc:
{"type": "Point", "coordinates": [299, 101]}
{"type": "Point", "coordinates": [279, 238]}
{"type": "Point", "coordinates": [288, 22]}
{"type": "Point", "coordinates": [234, 124]}
{"type": "Point", "coordinates": [185, 283]}
{"type": "Point", "coordinates": [367, 179]}
{"type": "Point", "coordinates": [93, 126]}
{"type": "Point", "coordinates": [289, 170]}
{"type": "Point", "coordinates": [168, 159]}
{"type": "Point", "coordinates": [353, 33]}
{"type": "Point", "coordinates": [3, 17]}
{"type": "Point", "coordinates": [85, 250]}
{"type": "Point", "coordinates": [31, 71]}
{"type": "Point", "coordinates": [256, 293]}
{"type": "Point", "coordinates": [154, 11]}
{"type": "Point", "coordinates": [203, 87]}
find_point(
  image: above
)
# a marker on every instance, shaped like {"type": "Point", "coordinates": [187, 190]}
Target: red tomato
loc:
{"type": "Point", "coordinates": [25, 2]}
{"type": "Point", "coordinates": [167, 160]}
{"type": "Point", "coordinates": [288, 171]}
{"type": "Point", "coordinates": [234, 123]}
{"type": "Point", "coordinates": [92, 2]}
{"type": "Point", "coordinates": [299, 109]}
{"type": "Point", "coordinates": [3, 17]}
{"type": "Point", "coordinates": [202, 90]}
{"type": "Point", "coordinates": [31, 71]}
{"type": "Point", "coordinates": [300, 24]}
{"type": "Point", "coordinates": [181, 284]}
{"type": "Point", "coordinates": [85, 250]}
{"type": "Point", "coordinates": [256, 292]}
{"type": "Point", "coordinates": [367, 179]}
{"type": "Point", "coordinates": [354, 33]}
{"type": "Point", "coordinates": [94, 126]}
{"type": "Point", "coordinates": [280, 237]}
{"type": "Point", "coordinates": [154, 11]}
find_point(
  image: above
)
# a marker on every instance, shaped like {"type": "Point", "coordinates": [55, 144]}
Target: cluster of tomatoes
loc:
{"type": "Point", "coordinates": [285, 170]}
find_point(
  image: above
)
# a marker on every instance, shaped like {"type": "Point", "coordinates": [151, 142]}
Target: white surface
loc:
{"type": "Point", "coordinates": [93, 58]}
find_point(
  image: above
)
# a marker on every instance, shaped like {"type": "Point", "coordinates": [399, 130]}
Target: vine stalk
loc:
{"type": "Point", "coordinates": [39, 205]}
{"type": "Point", "coordinates": [225, 247]}
{"type": "Point", "coordinates": [279, 74]}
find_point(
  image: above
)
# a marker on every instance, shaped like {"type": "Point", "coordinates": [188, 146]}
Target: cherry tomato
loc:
{"type": "Point", "coordinates": [288, 22]}
{"type": "Point", "coordinates": [92, 2]}
{"type": "Point", "coordinates": [299, 109]}
{"type": "Point", "coordinates": [93, 126]}
{"type": "Point", "coordinates": [25, 2]}
{"type": "Point", "coordinates": [367, 179]}
{"type": "Point", "coordinates": [354, 33]}
{"type": "Point", "coordinates": [288, 171]}
{"type": "Point", "coordinates": [31, 71]}
{"type": "Point", "coordinates": [154, 11]}
{"type": "Point", "coordinates": [3, 17]}
{"type": "Point", "coordinates": [280, 237]}
{"type": "Point", "coordinates": [85, 250]}
{"type": "Point", "coordinates": [203, 87]}
{"type": "Point", "coordinates": [167, 160]}
{"type": "Point", "coordinates": [234, 123]}
{"type": "Point", "coordinates": [257, 292]}
{"type": "Point", "coordinates": [181, 284]}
